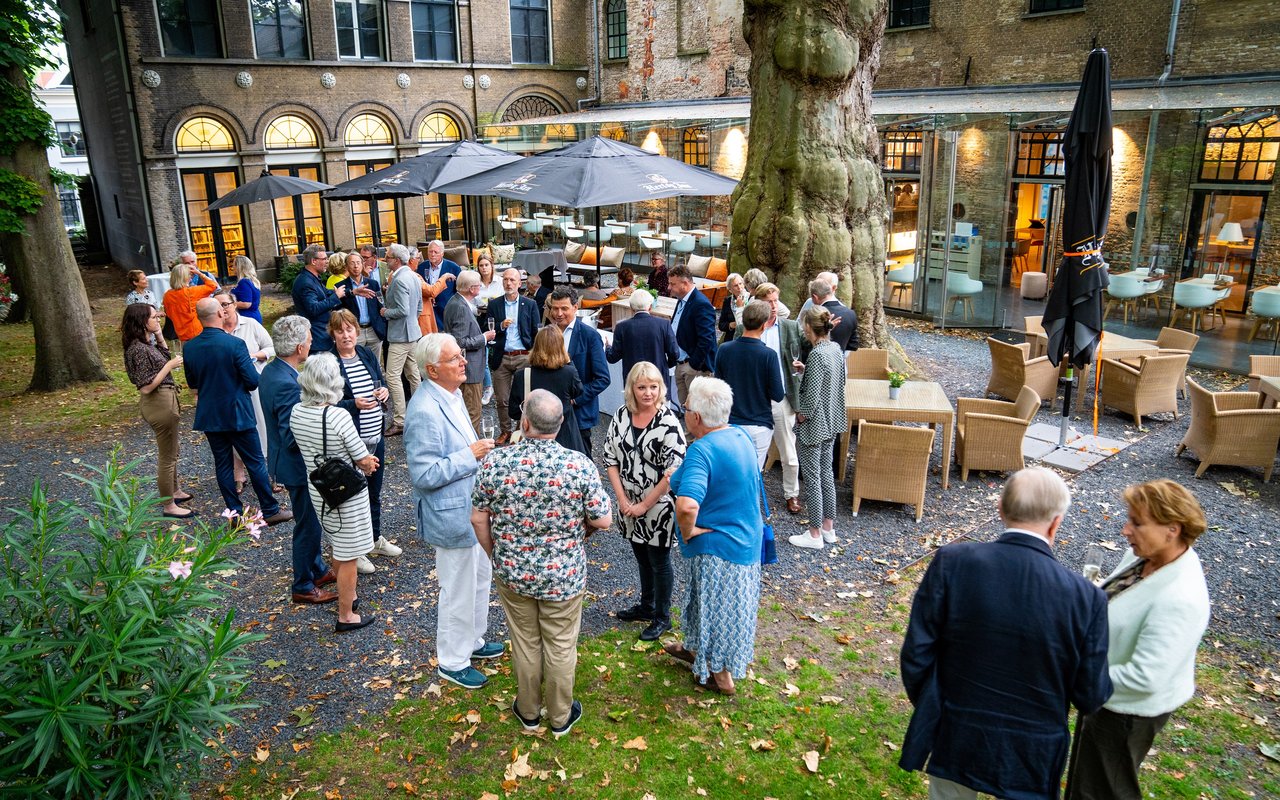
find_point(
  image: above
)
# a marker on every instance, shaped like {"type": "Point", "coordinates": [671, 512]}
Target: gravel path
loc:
{"type": "Point", "coordinates": [338, 680]}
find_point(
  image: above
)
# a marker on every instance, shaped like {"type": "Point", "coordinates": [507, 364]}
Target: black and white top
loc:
{"type": "Point", "coordinates": [642, 456]}
{"type": "Point", "coordinates": [822, 395]}
{"type": "Point", "coordinates": [370, 419]}
{"type": "Point", "coordinates": [349, 527]}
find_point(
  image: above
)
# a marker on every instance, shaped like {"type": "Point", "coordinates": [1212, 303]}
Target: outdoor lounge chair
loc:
{"type": "Point", "coordinates": [867, 363]}
{"type": "Point", "coordinates": [1228, 429]}
{"type": "Point", "coordinates": [1012, 369]}
{"type": "Point", "coordinates": [989, 433]}
{"type": "Point", "coordinates": [1146, 389]}
{"type": "Point", "coordinates": [892, 464]}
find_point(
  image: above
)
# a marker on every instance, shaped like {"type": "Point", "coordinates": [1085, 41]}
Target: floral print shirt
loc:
{"type": "Point", "coordinates": [538, 495]}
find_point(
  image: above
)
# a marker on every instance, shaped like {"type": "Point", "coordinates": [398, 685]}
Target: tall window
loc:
{"type": "Point", "coordinates": [190, 28]}
{"type": "Point", "coordinates": [615, 27]}
{"type": "Point", "coordinates": [359, 28]}
{"type": "Point", "coordinates": [204, 135]}
{"type": "Point", "coordinates": [900, 151]}
{"type": "Point", "coordinates": [695, 150]}
{"type": "Point", "coordinates": [438, 128]}
{"type": "Point", "coordinates": [908, 13]}
{"type": "Point", "coordinates": [434, 34]}
{"type": "Point", "coordinates": [530, 32]}
{"type": "Point", "coordinates": [1040, 6]}
{"type": "Point", "coordinates": [1039, 155]}
{"type": "Point", "coordinates": [71, 139]}
{"type": "Point", "coordinates": [1242, 153]}
{"type": "Point", "coordinates": [279, 28]}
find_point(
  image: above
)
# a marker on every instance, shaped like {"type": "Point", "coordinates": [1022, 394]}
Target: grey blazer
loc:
{"type": "Point", "coordinates": [403, 304]}
{"type": "Point", "coordinates": [790, 341]}
{"type": "Point", "coordinates": [822, 395]}
{"type": "Point", "coordinates": [460, 322]}
{"type": "Point", "coordinates": [441, 468]}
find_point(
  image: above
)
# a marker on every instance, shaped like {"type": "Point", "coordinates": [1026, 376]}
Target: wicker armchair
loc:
{"type": "Point", "coordinates": [892, 464]}
{"type": "Point", "coordinates": [1228, 428]}
{"type": "Point", "coordinates": [867, 363]}
{"type": "Point", "coordinates": [1011, 369]}
{"type": "Point", "coordinates": [1146, 389]}
{"type": "Point", "coordinates": [1262, 367]}
{"type": "Point", "coordinates": [1035, 335]}
{"type": "Point", "coordinates": [989, 432]}
{"type": "Point", "coordinates": [1172, 341]}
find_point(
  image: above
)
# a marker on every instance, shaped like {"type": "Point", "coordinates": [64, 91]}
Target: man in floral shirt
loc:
{"type": "Point", "coordinates": [535, 503]}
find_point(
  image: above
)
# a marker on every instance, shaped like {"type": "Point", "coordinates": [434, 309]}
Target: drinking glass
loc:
{"type": "Point", "coordinates": [1093, 557]}
{"type": "Point", "coordinates": [488, 428]}
{"type": "Point", "coordinates": [490, 323]}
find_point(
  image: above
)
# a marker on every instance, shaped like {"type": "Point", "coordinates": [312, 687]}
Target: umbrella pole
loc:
{"type": "Point", "coordinates": [1067, 381]}
{"type": "Point", "coordinates": [599, 247]}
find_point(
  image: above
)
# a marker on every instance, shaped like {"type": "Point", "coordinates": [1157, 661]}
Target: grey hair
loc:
{"type": "Point", "coordinates": [186, 253]}
{"type": "Point", "coordinates": [289, 333]}
{"type": "Point", "coordinates": [711, 399]}
{"type": "Point", "coordinates": [429, 348]}
{"type": "Point", "coordinates": [544, 411]}
{"type": "Point", "coordinates": [641, 300]}
{"type": "Point", "coordinates": [311, 253]}
{"type": "Point", "coordinates": [820, 288]}
{"type": "Point", "coordinates": [465, 280]}
{"type": "Point", "coordinates": [399, 252]}
{"type": "Point", "coordinates": [435, 243]}
{"type": "Point", "coordinates": [753, 278]}
{"type": "Point", "coordinates": [1035, 495]}
{"type": "Point", "coordinates": [320, 380]}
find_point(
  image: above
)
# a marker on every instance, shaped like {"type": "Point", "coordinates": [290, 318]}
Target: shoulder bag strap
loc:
{"type": "Point", "coordinates": [528, 380]}
{"type": "Point", "coordinates": [324, 435]}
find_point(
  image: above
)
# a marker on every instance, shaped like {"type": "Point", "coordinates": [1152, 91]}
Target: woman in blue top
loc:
{"type": "Point", "coordinates": [248, 292]}
{"type": "Point", "coordinates": [720, 534]}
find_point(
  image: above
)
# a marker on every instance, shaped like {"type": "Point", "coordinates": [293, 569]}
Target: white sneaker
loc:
{"type": "Point", "coordinates": [487, 396]}
{"type": "Point", "coordinates": [829, 536]}
{"type": "Point", "coordinates": [365, 567]}
{"type": "Point", "coordinates": [805, 540]}
{"type": "Point", "coordinates": [383, 547]}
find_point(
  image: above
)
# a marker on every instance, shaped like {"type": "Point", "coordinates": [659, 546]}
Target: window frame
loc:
{"type": "Point", "coordinates": [528, 9]}
{"type": "Point", "coordinates": [433, 33]}
{"type": "Point", "coordinates": [615, 27]}
{"type": "Point", "coordinates": [214, 23]}
{"type": "Point", "coordinates": [1053, 6]}
{"type": "Point", "coordinates": [1240, 143]}
{"type": "Point", "coordinates": [910, 9]}
{"type": "Point", "coordinates": [695, 146]}
{"type": "Point", "coordinates": [357, 30]}
{"type": "Point", "coordinates": [279, 28]}
{"type": "Point", "coordinates": [78, 149]}
{"type": "Point", "coordinates": [1039, 147]}
{"type": "Point", "coordinates": [313, 144]}
{"type": "Point", "coordinates": [231, 138]}
{"type": "Point", "coordinates": [901, 151]}
{"type": "Point", "coordinates": [440, 140]}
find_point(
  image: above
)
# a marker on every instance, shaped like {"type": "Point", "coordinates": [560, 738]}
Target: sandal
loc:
{"type": "Point", "coordinates": [677, 650]}
{"type": "Point", "coordinates": [182, 501]}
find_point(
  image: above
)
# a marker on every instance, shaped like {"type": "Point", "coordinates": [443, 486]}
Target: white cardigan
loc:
{"type": "Point", "coordinates": [1155, 628]}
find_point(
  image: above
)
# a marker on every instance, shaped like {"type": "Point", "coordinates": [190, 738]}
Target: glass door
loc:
{"type": "Point", "coordinates": [1035, 212]}
{"type": "Point", "coordinates": [902, 198]}
{"type": "Point", "coordinates": [217, 237]}
{"type": "Point", "coordinates": [444, 217]}
{"type": "Point", "coordinates": [1222, 239]}
{"type": "Point", "coordinates": [376, 229]}
{"type": "Point", "coordinates": [299, 219]}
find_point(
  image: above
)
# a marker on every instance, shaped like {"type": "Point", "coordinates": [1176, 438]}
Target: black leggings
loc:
{"type": "Point", "coordinates": [656, 578]}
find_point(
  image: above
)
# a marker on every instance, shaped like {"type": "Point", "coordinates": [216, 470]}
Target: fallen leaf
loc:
{"type": "Point", "coordinates": [792, 690]}
{"type": "Point", "coordinates": [1271, 751]}
{"type": "Point", "coordinates": [637, 743]}
{"type": "Point", "coordinates": [811, 761]}
{"type": "Point", "coordinates": [1232, 488]}
{"type": "Point", "coordinates": [790, 663]}
{"type": "Point", "coordinates": [763, 744]}
{"type": "Point", "coordinates": [890, 745]}
{"type": "Point", "coordinates": [830, 700]}
{"type": "Point", "coordinates": [262, 753]}
{"type": "Point", "coordinates": [518, 768]}
{"type": "Point", "coordinates": [489, 796]}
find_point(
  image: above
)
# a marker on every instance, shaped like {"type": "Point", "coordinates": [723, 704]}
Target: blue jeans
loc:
{"type": "Point", "coordinates": [246, 444]}
{"type": "Point", "coordinates": [308, 564]}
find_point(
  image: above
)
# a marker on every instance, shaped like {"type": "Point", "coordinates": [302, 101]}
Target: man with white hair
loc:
{"type": "Point", "coordinates": [643, 337]}
{"type": "Point", "coordinates": [443, 454]}
{"type": "Point", "coordinates": [460, 322]}
{"type": "Point", "coordinates": [843, 318]}
{"type": "Point", "coordinates": [1003, 640]}
{"type": "Point", "coordinates": [431, 270]}
{"type": "Point", "coordinates": [535, 505]}
{"type": "Point", "coordinates": [401, 309]}
{"type": "Point", "coordinates": [831, 280]}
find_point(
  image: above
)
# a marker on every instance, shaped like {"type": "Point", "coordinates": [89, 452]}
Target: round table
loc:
{"type": "Point", "coordinates": [536, 262]}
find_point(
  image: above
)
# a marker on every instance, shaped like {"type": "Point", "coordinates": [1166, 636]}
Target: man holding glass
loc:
{"type": "Point", "coordinates": [460, 323]}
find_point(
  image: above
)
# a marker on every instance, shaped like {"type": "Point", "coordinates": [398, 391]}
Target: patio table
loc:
{"type": "Point", "coordinates": [919, 401]}
{"type": "Point", "coordinates": [536, 262]}
{"type": "Point", "coordinates": [1270, 388]}
{"type": "Point", "coordinates": [158, 284]}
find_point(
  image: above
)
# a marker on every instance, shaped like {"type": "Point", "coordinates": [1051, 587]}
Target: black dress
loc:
{"type": "Point", "coordinates": [563, 383]}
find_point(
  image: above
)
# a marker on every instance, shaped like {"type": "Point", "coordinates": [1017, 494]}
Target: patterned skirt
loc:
{"type": "Point", "coordinates": [720, 615]}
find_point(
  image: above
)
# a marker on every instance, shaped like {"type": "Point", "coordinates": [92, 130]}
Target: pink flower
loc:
{"type": "Point", "coordinates": [228, 514]}
{"type": "Point", "coordinates": [180, 569]}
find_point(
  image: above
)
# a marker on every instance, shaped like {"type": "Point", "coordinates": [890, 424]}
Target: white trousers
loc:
{"type": "Point", "coordinates": [760, 437]}
{"type": "Point", "coordinates": [784, 423]}
{"type": "Point", "coordinates": [462, 617]}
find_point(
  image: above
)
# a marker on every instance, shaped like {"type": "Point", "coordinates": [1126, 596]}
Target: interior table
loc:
{"type": "Point", "coordinates": [919, 401]}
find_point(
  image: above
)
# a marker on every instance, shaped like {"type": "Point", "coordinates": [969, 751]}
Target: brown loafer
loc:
{"type": "Point", "coordinates": [793, 505]}
{"type": "Point", "coordinates": [677, 650]}
{"type": "Point", "coordinates": [283, 515]}
{"type": "Point", "coordinates": [316, 596]}
{"type": "Point", "coordinates": [395, 430]}
{"type": "Point", "coordinates": [502, 439]}
{"type": "Point", "coordinates": [327, 578]}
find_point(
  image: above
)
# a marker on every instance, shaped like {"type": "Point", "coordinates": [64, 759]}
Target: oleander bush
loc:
{"type": "Point", "coordinates": [288, 273]}
{"type": "Point", "coordinates": [119, 663]}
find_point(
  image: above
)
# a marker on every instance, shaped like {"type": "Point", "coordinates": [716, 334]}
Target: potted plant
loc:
{"type": "Point", "coordinates": [896, 379]}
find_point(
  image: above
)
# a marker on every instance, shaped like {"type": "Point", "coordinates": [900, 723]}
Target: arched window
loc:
{"type": "Point", "coordinates": [530, 106]}
{"type": "Point", "coordinates": [613, 130]}
{"type": "Point", "coordinates": [1242, 151]}
{"type": "Point", "coordinates": [695, 147]}
{"type": "Point", "coordinates": [204, 135]}
{"type": "Point", "coordinates": [564, 132]}
{"type": "Point", "coordinates": [438, 128]}
{"type": "Point", "coordinates": [290, 132]}
{"type": "Point", "coordinates": [367, 129]}
{"type": "Point", "coordinates": [615, 28]}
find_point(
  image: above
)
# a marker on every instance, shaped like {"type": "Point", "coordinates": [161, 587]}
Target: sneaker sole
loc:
{"type": "Point", "coordinates": [457, 682]}
{"type": "Point", "coordinates": [557, 734]}
{"type": "Point", "coordinates": [485, 658]}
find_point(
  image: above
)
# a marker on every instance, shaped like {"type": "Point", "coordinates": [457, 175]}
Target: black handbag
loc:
{"type": "Point", "coordinates": [336, 479]}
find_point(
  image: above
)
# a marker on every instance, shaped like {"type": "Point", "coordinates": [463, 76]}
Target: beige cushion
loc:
{"type": "Point", "coordinates": [458, 255]}
{"type": "Point", "coordinates": [502, 253]}
{"type": "Point", "coordinates": [573, 252]}
{"type": "Point", "coordinates": [612, 256]}
{"type": "Point", "coordinates": [699, 265]}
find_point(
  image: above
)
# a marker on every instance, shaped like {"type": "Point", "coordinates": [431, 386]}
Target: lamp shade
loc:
{"type": "Point", "coordinates": [1231, 232]}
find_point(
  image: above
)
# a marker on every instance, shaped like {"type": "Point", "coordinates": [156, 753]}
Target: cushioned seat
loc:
{"type": "Point", "coordinates": [1126, 290]}
{"type": "Point", "coordinates": [1265, 308]}
{"type": "Point", "coordinates": [961, 289]}
{"type": "Point", "coordinates": [902, 279]}
{"type": "Point", "coordinates": [1035, 285]}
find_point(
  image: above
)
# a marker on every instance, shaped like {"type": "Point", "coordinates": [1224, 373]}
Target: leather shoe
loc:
{"type": "Point", "coordinates": [316, 596]}
{"type": "Point", "coordinates": [655, 630]}
{"type": "Point", "coordinates": [283, 515]}
{"type": "Point", "coordinates": [327, 578]}
{"type": "Point", "coordinates": [503, 438]}
{"type": "Point", "coordinates": [636, 613]}
{"type": "Point", "coordinates": [343, 627]}
{"type": "Point", "coordinates": [793, 505]}
{"type": "Point", "coordinates": [395, 430]}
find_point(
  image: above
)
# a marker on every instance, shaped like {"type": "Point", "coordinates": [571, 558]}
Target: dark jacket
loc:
{"type": "Point", "coordinates": [751, 370]}
{"type": "Point", "coordinates": [644, 337]}
{"type": "Point", "coordinates": [279, 393]}
{"type": "Point", "coordinates": [219, 368]}
{"type": "Point", "coordinates": [696, 335]}
{"type": "Point", "coordinates": [846, 333]}
{"type": "Point", "coordinates": [528, 322]}
{"type": "Point", "coordinates": [794, 348]}
{"type": "Point", "coordinates": [586, 351]}
{"type": "Point", "coordinates": [727, 324]}
{"type": "Point", "coordinates": [461, 323]}
{"type": "Point", "coordinates": [348, 401]}
{"type": "Point", "coordinates": [373, 304]}
{"type": "Point", "coordinates": [563, 383]}
{"type": "Point", "coordinates": [1003, 640]}
{"type": "Point", "coordinates": [313, 301]}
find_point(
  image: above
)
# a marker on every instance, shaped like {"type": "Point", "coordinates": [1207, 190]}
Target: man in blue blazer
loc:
{"type": "Point", "coordinates": [643, 337]}
{"type": "Point", "coordinates": [367, 310]}
{"type": "Point", "coordinates": [694, 322]}
{"type": "Point", "coordinates": [431, 269]}
{"type": "Point", "coordinates": [444, 453]}
{"type": "Point", "coordinates": [312, 300]}
{"type": "Point", "coordinates": [586, 351]}
{"type": "Point", "coordinates": [219, 369]}
{"type": "Point", "coordinates": [515, 320]}
{"type": "Point", "coordinates": [278, 391]}
{"type": "Point", "coordinates": [1003, 640]}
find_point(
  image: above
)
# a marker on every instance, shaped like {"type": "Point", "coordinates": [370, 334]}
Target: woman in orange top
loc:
{"type": "Point", "coordinates": [180, 300]}
{"type": "Point", "coordinates": [427, 319]}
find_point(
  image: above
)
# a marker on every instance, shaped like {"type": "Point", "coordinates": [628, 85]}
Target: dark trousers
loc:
{"type": "Point", "coordinates": [308, 564]}
{"type": "Point", "coordinates": [1108, 751]}
{"type": "Point", "coordinates": [246, 444]}
{"type": "Point", "coordinates": [656, 578]}
{"type": "Point", "coordinates": [375, 489]}
{"type": "Point", "coordinates": [586, 440]}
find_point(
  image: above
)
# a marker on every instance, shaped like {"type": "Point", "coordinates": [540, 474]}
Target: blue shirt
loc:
{"type": "Point", "coordinates": [362, 305]}
{"type": "Point", "coordinates": [751, 370]}
{"type": "Point", "coordinates": [681, 355]}
{"type": "Point", "coordinates": [512, 341]}
{"type": "Point", "coordinates": [727, 459]}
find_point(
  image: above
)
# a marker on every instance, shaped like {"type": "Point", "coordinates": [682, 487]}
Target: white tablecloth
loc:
{"type": "Point", "coordinates": [158, 284]}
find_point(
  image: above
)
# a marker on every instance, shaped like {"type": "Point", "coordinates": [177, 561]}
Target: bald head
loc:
{"type": "Point", "coordinates": [209, 312]}
{"type": "Point", "coordinates": [543, 413]}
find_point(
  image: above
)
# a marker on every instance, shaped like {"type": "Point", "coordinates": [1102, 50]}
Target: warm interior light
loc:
{"type": "Point", "coordinates": [732, 157]}
{"type": "Point", "coordinates": [653, 143]}
{"type": "Point", "coordinates": [1123, 150]}
{"type": "Point", "coordinates": [1231, 232]}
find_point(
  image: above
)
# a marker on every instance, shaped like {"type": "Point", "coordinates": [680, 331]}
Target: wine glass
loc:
{"type": "Point", "coordinates": [1092, 569]}
{"type": "Point", "coordinates": [489, 323]}
{"type": "Point", "coordinates": [488, 428]}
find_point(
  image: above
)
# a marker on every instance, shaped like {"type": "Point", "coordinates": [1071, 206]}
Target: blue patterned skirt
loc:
{"type": "Point", "coordinates": [720, 615]}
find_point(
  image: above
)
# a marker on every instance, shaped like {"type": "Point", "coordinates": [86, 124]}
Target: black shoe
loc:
{"type": "Point", "coordinates": [636, 613]}
{"type": "Point", "coordinates": [343, 627]}
{"type": "Point", "coordinates": [529, 724]}
{"type": "Point", "coordinates": [575, 714]}
{"type": "Point", "coordinates": [655, 630]}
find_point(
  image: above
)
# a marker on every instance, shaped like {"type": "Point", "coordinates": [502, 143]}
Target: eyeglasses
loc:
{"type": "Point", "coordinates": [228, 303]}
{"type": "Point", "coordinates": [459, 358]}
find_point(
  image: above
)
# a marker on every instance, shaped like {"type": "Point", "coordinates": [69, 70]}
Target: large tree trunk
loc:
{"type": "Point", "coordinates": [812, 198]}
{"type": "Point", "coordinates": [41, 260]}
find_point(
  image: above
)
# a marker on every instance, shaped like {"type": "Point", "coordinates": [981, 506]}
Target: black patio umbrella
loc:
{"type": "Point", "coordinates": [1073, 313]}
{"type": "Point", "coordinates": [267, 187]}
{"type": "Point", "coordinates": [423, 174]}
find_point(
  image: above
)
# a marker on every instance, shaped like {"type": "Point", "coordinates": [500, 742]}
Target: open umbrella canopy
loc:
{"type": "Point", "coordinates": [593, 172]}
{"type": "Point", "coordinates": [424, 173]}
{"type": "Point", "coordinates": [1073, 313]}
{"type": "Point", "coordinates": [267, 187]}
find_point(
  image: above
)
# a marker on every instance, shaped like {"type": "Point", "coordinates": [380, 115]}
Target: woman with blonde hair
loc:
{"type": "Point", "coordinates": [549, 369]}
{"type": "Point", "coordinates": [247, 292]}
{"type": "Point", "coordinates": [180, 300]}
{"type": "Point", "coordinates": [337, 269]}
{"type": "Point", "coordinates": [734, 303]}
{"type": "Point", "coordinates": [645, 444]}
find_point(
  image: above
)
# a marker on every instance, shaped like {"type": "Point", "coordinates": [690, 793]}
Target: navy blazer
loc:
{"type": "Point", "coordinates": [846, 333]}
{"type": "Point", "coordinates": [278, 393]}
{"type": "Point", "coordinates": [219, 367]}
{"type": "Point", "coordinates": [643, 337]}
{"type": "Point", "coordinates": [314, 302]}
{"type": "Point", "coordinates": [697, 332]}
{"type": "Point", "coordinates": [373, 304]}
{"type": "Point", "coordinates": [528, 322]}
{"type": "Point", "coordinates": [447, 267]}
{"type": "Point", "coordinates": [586, 351]}
{"type": "Point", "coordinates": [348, 400]}
{"type": "Point", "coordinates": [1003, 640]}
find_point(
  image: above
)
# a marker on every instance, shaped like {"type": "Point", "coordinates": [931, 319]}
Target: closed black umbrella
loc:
{"type": "Point", "coordinates": [1073, 313]}
{"type": "Point", "coordinates": [267, 187]}
{"type": "Point", "coordinates": [423, 174]}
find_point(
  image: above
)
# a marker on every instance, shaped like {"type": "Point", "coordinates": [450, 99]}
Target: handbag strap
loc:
{"type": "Point", "coordinates": [764, 500]}
{"type": "Point", "coordinates": [324, 434]}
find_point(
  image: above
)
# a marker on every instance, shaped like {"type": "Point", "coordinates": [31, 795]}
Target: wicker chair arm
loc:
{"type": "Point", "coordinates": [975, 405]}
{"type": "Point", "coordinates": [1110, 364]}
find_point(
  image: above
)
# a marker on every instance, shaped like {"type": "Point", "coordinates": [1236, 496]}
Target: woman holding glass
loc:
{"type": "Point", "coordinates": [731, 310]}
{"type": "Point", "coordinates": [645, 444]}
{"type": "Point", "coordinates": [549, 369]}
{"type": "Point", "coordinates": [820, 419]}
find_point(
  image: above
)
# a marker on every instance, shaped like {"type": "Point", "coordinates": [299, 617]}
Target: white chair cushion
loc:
{"type": "Point", "coordinates": [612, 256]}
{"type": "Point", "coordinates": [502, 253]}
{"type": "Point", "coordinates": [573, 251]}
{"type": "Point", "coordinates": [699, 265]}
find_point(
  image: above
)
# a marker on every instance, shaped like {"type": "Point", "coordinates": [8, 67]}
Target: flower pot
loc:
{"type": "Point", "coordinates": [893, 392]}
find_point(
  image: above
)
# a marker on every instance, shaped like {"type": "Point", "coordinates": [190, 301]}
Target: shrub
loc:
{"type": "Point", "coordinates": [118, 664]}
{"type": "Point", "coordinates": [287, 273]}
